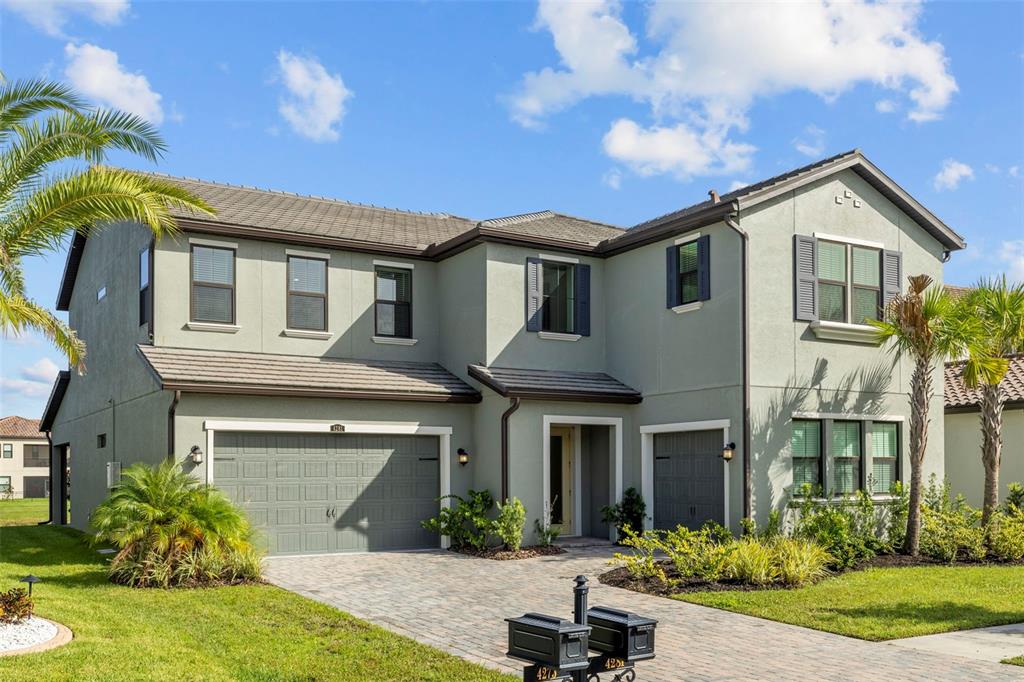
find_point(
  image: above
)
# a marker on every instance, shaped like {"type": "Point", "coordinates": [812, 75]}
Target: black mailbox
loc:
{"type": "Point", "coordinates": [621, 634]}
{"type": "Point", "coordinates": [548, 641]}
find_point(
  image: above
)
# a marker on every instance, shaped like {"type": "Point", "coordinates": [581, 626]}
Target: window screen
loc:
{"type": "Point", "coordinates": [37, 456]}
{"type": "Point", "coordinates": [806, 449]}
{"type": "Point", "coordinates": [559, 298]}
{"type": "Point", "coordinates": [689, 289]}
{"type": "Point", "coordinates": [213, 284]}
{"type": "Point", "coordinates": [866, 293]}
{"type": "Point", "coordinates": [307, 293]}
{"type": "Point", "coordinates": [846, 456]}
{"type": "Point", "coordinates": [394, 302]}
{"type": "Point", "coordinates": [884, 455]}
{"type": "Point", "coordinates": [832, 281]}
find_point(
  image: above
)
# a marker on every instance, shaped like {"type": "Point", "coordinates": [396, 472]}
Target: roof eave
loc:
{"type": "Point", "coordinates": [294, 392]}
{"type": "Point", "coordinates": [562, 396]}
{"type": "Point", "coordinates": [60, 387]}
{"type": "Point", "coordinates": [670, 228]}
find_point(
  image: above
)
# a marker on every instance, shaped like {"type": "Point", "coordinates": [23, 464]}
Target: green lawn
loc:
{"type": "Point", "coordinates": [23, 512]}
{"type": "Point", "coordinates": [888, 603]}
{"type": "Point", "coordinates": [255, 633]}
{"type": "Point", "coordinates": [1016, 660]}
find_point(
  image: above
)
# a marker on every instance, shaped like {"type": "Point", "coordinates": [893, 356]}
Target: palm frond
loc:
{"type": "Point", "coordinates": [21, 100]}
{"type": "Point", "coordinates": [18, 314]}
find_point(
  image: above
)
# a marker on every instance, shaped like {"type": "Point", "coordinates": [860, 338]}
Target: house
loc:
{"type": "Point", "coordinates": [964, 469]}
{"type": "Point", "coordinates": [336, 367]}
{"type": "Point", "coordinates": [24, 459]}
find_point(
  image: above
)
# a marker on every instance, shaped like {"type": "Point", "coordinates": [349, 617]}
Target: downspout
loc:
{"type": "Point", "coordinates": [745, 334]}
{"type": "Point", "coordinates": [170, 424]}
{"type": "Point", "coordinates": [512, 407]}
{"type": "Point", "coordinates": [49, 507]}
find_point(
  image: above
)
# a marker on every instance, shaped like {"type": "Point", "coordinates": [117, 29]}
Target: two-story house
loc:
{"type": "Point", "coordinates": [24, 459]}
{"type": "Point", "coordinates": [336, 367]}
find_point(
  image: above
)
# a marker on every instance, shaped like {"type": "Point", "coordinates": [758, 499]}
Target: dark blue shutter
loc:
{"type": "Point", "coordinates": [534, 294]}
{"type": "Point", "coordinates": [805, 285]}
{"type": "Point", "coordinates": [583, 299]}
{"type": "Point", "coordinates": [672, 276]}
{"type": "Point", "coordinates": [704, 267]}
{"type": "Point", "coordinates": [892, 276]}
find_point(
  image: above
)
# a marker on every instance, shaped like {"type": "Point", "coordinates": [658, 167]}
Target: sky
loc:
{"type": "Point", "coordinates": [617, 112]}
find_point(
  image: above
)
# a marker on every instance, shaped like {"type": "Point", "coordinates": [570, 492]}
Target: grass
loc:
{"type": "Point", "coordinates": [1016, 660]}
{"type": "Point", "coordinates": [256, 633]}
{"type": "Point", "coordinates": [23, 512]}
{"type": "Point", "coordinates": [888, 603]}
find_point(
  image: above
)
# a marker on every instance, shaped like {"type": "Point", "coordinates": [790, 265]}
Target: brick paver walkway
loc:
{"type": "Point", "coordinates": [458, 604]}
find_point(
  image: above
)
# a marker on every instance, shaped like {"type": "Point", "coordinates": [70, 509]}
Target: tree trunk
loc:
{"type": "Point", "coordinates": [920, 399]}
{"type": "Point", "coordinates": [991, 445]}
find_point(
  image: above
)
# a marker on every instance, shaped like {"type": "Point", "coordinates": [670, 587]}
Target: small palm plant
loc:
{"type": "Point", "coordinates": [169, 529]}
{"type": "Point", "coordinates": [52, 183]}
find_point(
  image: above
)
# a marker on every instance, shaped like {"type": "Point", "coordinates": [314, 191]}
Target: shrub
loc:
{"type": "Point", "coordinates": [952, 535]}
{"type": "Point", "coordinates": [545, 534]}
{"type": "Point", "coordinates": [752, 561]}
{"type": "Point", "coordinates": [800, 561]}
{"type": "Point", "coordinates": [835, 529]}
{"type": "Point", "coordinates": [467, 524]}
{"type": "Point", "coordinates": [1005, 535]}
{"type": "Point", "coordinates": [698, 554]}
{"type": "Point", "coordinates": [1015, 497]}
{"type": "Point", "coordinates": [629, 513]}
{"type": "Point", "coordinates": [171, 530]}
{"type": "Point", "coordinates": [642, 563]}
{"type": "Point", "coordinates": [509, 524]}
{"type": "Point", "coordinates": [895, 515]}
{"type": "Point", "coordinates": [15, 606]}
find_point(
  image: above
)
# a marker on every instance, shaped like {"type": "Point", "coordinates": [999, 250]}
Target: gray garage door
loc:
{"type": "Point", "coordinates": [688, 479]}
{"type": "Point", "coordinates": [310, 493]}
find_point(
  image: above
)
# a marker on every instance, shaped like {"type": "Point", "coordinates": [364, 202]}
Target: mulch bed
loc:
{"type": "Point", "coordinates": [501, 554]}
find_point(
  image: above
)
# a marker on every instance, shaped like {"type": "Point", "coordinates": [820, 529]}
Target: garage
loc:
{"type": "Point", "coordinates": [310, 493]}
{"type": "Point", "coordinates": [689, 479]}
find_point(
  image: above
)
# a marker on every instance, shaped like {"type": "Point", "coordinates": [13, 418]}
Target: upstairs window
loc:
{"type": "Point", "coordinates": [307, 293]}
{"type": "Point", "coordinates": [8, 451]}
{"type": "Point", "coordinates": [843, 282]}
{"type": "Point", "coordinates": [393, 305]}
{"type": "Point", "coordinates": [145, 299]}
{"type": "Point", "coordinates": [213, 284]}
{"type": "Point", "coordinates": [559, 298]}
{"type": "Point", "coordinates": [688, 268]}
{"type": "Point", "coordinates": [37, 456]}
{"type": "Point", "coordinates": [688, 287]}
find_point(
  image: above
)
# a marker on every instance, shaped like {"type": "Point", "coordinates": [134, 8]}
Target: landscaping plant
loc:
{"type": "Point", "coordinates": [545, 532]}
{"type": "Point", "coordinates": [171, 530]}
{"type": "Point", "coordinates": [846, 529]}
{"type": "Point", "coordinates": [800, 562]}
{"type": "Point", "coordinates": [467, 524]}
{"type": "Point", "coordinates": [15, 606]}
{"type": "Point", "coordinates": [629, 513]}
{"type": "Point", "coordinates": [752, 562]}
{"type": "Point", "coordinates": [509, 524]}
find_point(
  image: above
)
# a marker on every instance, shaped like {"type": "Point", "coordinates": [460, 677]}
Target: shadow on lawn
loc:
{"type": "Point", "coordinates": [943, 613]}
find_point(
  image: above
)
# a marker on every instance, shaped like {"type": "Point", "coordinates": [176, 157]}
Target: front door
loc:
{"type": "Point", "coordinates": [689, 479]}
{"type": "Point", "coordinates": [561, 493]}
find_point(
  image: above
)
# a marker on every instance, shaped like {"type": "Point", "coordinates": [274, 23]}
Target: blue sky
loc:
{"type": "Point", "coordinates": [613, 112]}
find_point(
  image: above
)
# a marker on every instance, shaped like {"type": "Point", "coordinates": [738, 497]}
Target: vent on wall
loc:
{"type": "Point", "coordinates": [113, 474]}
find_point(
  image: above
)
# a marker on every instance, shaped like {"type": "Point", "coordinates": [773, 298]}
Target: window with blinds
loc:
{"type": "Point", "coordinates": [307, 293]}
{"type": "Point", "coordinates": [832, 281]}
{"type": "Point", "coordinates": [849, 282]}
{"type": "Point", "coordinates": [845, 451]}
{"type": "Point", "coordinates": [394, 302]}
{"type": "Point", "coordinates": [689, 287]}
{"type": "Point", "coordinates": [806, 451]}
{"type": "Point", "coordinates": [8, 452]}
{"type": "Point", "coordinates": [559, 298]}
{"type": "Point", "coordinates": [213, 284]}
{"type": "Point", "coordinates": [885, 449]}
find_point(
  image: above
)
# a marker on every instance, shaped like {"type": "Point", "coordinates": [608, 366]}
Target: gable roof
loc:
{"type": "Point", "coordinates": [546, 384]}
{"type": "Point", "coordinates": [20, 427]}
{"type": "Point", "coordinates": [959, 397]}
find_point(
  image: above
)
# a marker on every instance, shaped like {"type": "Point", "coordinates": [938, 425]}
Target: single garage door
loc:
{"type": "Point", "coordinates": [313, 493]}
{"type": "Point", "coordinates": [689, 479]}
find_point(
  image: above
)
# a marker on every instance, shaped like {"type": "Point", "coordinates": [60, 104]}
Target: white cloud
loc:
{"type": "Point", "coordinates": [1012, 254]}
{"type": "Point", "coordinates": [951, 174]}
{"type": "Point", "coordinates": [1013, 171]}
{"type": "Point", "coordinates": [680, 150]}
{"type": "Point", "coordinates": [315, 103]}
{"type": "Point", "coordinates": [700, 85]}
{"type": "Point", "coordinates": [43, 369]}
{"type": "Point", "coordinates": [98, 74]}
{"type": "Point", "coordinates": [812, 142]}
{"type": "Point", "coordinates": [612, 178]}
{"type": "Point", "coordinates": [886, 106]}
{"type": "Point", "coordinates": [50, 16]}
{"type": "Point", "coordinates": [35, 382]}
{"type": "Point", "coordinates": [737, 184]}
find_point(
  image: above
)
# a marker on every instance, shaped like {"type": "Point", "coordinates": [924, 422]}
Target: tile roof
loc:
{"type": "Point", "coordinates": [267, 374]}
{"type": "Point", "coordinates": [20, 427]}
{"type": "Point", "coordinates": [956, 291]}
{"type": "Point", "coordinates": [959, 396]}
{"type": "Point", "coordinates": [549, 384]}
{"type": "Point", "coordinates": [550, 224]}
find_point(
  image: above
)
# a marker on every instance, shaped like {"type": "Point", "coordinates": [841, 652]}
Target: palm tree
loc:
{"type": "Point", "coordinates": [923, 327]}
{"type": "Point", "coordinates": [999, 306]}
{"type": "Point", "coordinates": [52, 182]}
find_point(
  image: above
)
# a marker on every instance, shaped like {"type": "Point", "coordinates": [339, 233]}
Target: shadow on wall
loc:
{"type": "Point", "coordinates": [859, 392]}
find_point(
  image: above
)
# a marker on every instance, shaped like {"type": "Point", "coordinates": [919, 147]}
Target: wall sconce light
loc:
{"type": "Point", "coordinates": [197, 454]}
{"type": "Point", "coordinates": [463, 457]}
{"type": "Point", "coordinates": [728, 450]}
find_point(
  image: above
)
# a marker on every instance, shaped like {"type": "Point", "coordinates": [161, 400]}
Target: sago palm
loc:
{"type": "Point", "coordinates": [999, 306]}
{"type": "Point", "coordinates": [921, 325]}
{"type": "Point", "coordinates": [52, 183]}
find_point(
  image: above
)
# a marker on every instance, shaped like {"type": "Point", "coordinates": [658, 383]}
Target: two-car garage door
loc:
{"type": "Point", "coordinates": [325, 492]}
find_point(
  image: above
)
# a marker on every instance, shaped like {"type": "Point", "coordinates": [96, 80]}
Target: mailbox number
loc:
{"type": "Point", "coordinates": [544, 673]}
{"type": "Point", "coordinates": [614, 663]}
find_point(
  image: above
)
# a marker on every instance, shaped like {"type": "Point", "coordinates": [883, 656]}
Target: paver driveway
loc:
{"type": "Point", "coordinates": [458, 604]}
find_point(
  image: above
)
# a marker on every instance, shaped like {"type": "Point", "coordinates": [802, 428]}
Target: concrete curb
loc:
{"type": "Point", "coordinates": [62, 637]}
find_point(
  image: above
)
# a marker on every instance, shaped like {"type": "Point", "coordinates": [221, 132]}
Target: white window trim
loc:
{"type": "Point", "coordinates": [688, 307]}
{"type": "Point", "coordinates": [213, 327]}
{"type": "Point", "coordinates": [559, 336]}
{"type": "Point", "coordinates": [312, 255]}
{"type": "Point", "coordinates": [687, 238]}
{"type": "Point", "coordinates": [846, 417]}
{"type": "Point", "coordinates": [558, 259]}
{"type": "Point", "coordinates": [844, 331]}
{"type": "Point", "coordinates": [850, 240]}
{"type": "Point", "coordinates": [392, 264]}
{"type": "Point", "coordinates": [647, 459]}
{"type": "Point", "coordinates": [308, 334]}
{"type": "Point", "coordinates": [444, 434]}
{"type": "Point", "coordinates": [216, 243]}
{"type": "Point", "coordinates": [394, 341]}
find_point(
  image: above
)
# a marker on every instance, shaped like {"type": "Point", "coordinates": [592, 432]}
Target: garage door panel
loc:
{"type": "Point", "coordinates": [225, 469]}
{"type": "Point", "coordinates": [314, 469]}
{"type": "Point", "coordinates": [254, 493]}
{"type": "Point", "coordinates": [287, 469]}
{"type": "Point", "coordinates": [689, 479]}
{"type": "Point", "coordinates": [315, 491]}
{"type": "Point", "coordinates": [346, 469]}
{"type": "Point", "coordinates": [286, 516]}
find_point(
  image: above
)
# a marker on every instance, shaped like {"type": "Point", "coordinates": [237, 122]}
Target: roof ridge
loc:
{"type": "Point", "coordinates": [518, 218]}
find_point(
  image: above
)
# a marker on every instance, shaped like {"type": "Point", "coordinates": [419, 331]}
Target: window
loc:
{"type": "Point", "coordinates": [5, 485]}
{"type": "Point", "coordinates": [806, 449]}
{"type": "Point", "coordinates": [101, 294]}
{"type": "Point", "coordinates": [884, 455]}
{"type": "Point", "coordinates": [213, 284]}
{"type": "Point", "coordinates": [145, 307]}
{"type": "Point", "coordinates": [8, 451]}
{"type": "Point", "coordinates": [845, 452]}
{"type": "Point", "coordinates": [848, 282]}
{"type": "Point", "coordinates": [307, 293]}
{"type": "Point", "coordinates": [688, 283]}
{"type": "Point", "coordinates": [866, 275]}
{"type": "Point", "coordinates": [101, 440]}
{"type": "Point", "coordinates": [558, 303]}
{"type": "Point", "coordinates": [37, 456]}
{"type": "Point", "coordinates": [689, 271]}
{"type": "Point", "coordinates": [394, 302]}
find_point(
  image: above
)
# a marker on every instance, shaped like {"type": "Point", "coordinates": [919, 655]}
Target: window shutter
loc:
{"type": "Point", "coordinates": [582, 299]}
{"type": "Point", "coordinates": [534, 289]}
{"type": "Point", "coordinates": [892, 276]}
{"type": "Point", "coordinates": [806, 278]}
{"type": "Point", "coordinates": [672, 276]}
{"type": "Point", "coordinates": [704, 267]}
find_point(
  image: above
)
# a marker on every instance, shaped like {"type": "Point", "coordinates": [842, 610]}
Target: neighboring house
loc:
{"type": "Point", "coordinates": [335, 367]}
{"type": "Point", "coordinates": [964, 470]}
{"type": "Point", "coordinates": [24, 459]}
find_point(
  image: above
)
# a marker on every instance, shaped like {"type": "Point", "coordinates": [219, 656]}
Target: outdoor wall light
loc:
{"type": "Point", "coordinates": [728, 450]}
{"type": "Point", "coordinates": [197, 454]}
{"type": "Point", "coordinates": [463, 456]}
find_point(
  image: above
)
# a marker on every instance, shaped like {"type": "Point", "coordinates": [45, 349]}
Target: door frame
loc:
{"type": "Point", "coordinates": [647, 459]}
{"type": "Point", "coordinates": [577, 478]}
{"type": "Point", "coordinates": [444, 446]}
{"type": "Point", "coordinates": [550, 420]}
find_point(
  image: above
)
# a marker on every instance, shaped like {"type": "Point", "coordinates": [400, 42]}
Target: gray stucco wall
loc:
{"type": "Point", "coordinates": [964, 469]}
